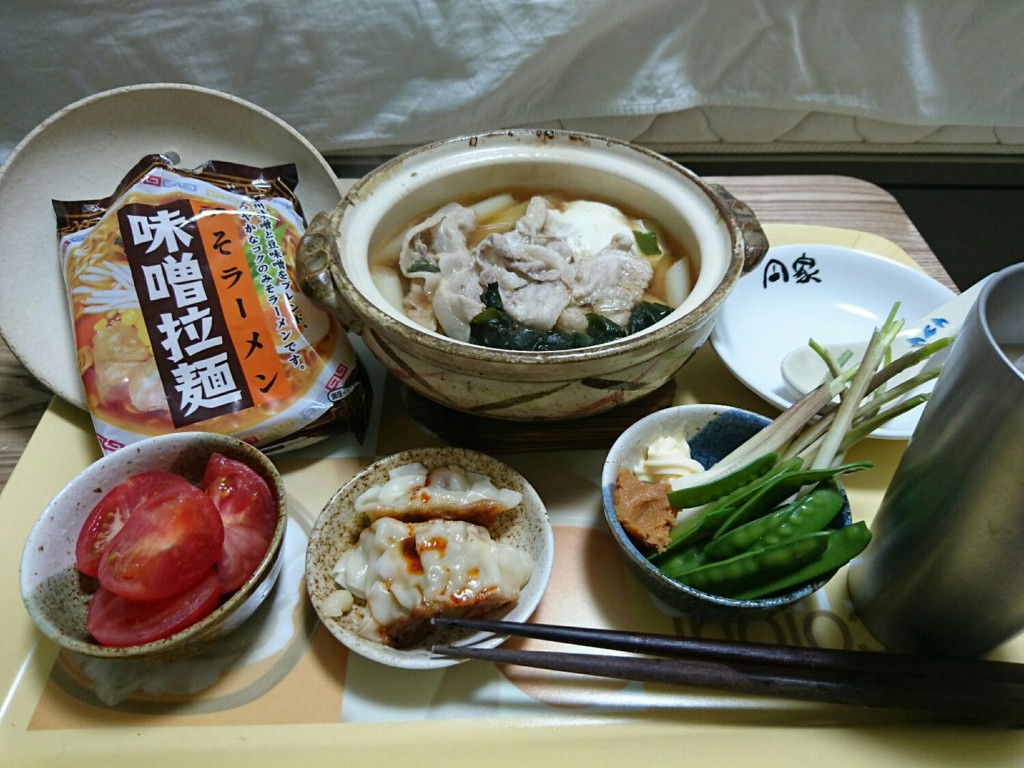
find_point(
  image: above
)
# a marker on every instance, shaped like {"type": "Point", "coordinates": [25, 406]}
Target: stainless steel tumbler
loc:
{"type": "Point", "coordinates": [944, 572]}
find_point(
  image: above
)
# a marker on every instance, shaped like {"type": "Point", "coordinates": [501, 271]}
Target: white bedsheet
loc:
{"type": "Point", "coordinates": [364, 76]}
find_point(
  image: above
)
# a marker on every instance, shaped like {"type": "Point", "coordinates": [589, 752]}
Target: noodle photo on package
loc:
{"type": "Point", "coordinates": [186, 315]}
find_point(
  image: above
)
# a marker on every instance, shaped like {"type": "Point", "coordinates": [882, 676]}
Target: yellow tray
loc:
{"type": "Point", "coordinates": [287, 691]}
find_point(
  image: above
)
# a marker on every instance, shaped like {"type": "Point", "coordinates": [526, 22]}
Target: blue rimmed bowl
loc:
{"type": "Point", "coordinates": [712, 431]}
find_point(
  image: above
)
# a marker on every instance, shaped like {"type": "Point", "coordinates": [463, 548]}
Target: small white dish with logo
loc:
{"type": "Point", "coordinates": [826, 292]}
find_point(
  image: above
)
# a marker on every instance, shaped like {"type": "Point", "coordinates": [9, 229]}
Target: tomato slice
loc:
{"type": "Point", "coordinates": [165, 545]}
{"type": "Point", "coordinates": [116, 622]}
{"type": "Point", "coordinates": [109, 516]}
{"type": "Point", "coordinates": [247, 509]}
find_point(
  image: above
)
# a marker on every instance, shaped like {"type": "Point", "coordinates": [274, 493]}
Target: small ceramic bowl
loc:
{"type": "Point", "coordinates": [712, 431]}
{"type": "Point", "coordinates": [57, 597]}
{"type": "Point", "coordinates": [720, 234]}
{"type": "Point", "coordinates": [338, 527]}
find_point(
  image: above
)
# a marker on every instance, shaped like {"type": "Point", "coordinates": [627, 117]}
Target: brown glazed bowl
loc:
{"type": "Point", "coordinates": [339, 524]}
{"type": "Point", "coordinates": [55, 594]}
{"type": "Point", "coordinates": [720, 234]}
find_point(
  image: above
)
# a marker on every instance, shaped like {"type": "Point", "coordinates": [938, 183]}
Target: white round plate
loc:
{"type": "Point", "coordinates": [826, 292]}
{"type": "Point", "coordinates": [81, 153]}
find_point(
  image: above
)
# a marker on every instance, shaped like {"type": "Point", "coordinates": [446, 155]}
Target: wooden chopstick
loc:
{"type": "Point", "coordinates": [766, 653]}
{"type": "Point", "coordinates": [961, 688]}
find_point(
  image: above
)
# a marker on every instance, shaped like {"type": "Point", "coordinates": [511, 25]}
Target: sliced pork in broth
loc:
{"type": "Point", "coordinates": [533, 272]}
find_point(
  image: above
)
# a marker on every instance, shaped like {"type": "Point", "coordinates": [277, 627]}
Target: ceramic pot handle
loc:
{"type": "Point", "coordinates": [755, 242]}
{"type": "Point", "coordinates": [316, 252]}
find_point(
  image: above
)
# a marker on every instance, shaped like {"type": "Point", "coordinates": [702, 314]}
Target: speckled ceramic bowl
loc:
{"type": "Point", "coordinates": [720, 234]}
{"type": "Point", "coordinates": [50, 584]}
{"type": "Point", "coordinates": [338, 527]}
{"type": "Point", "coordinates": [712, 431]}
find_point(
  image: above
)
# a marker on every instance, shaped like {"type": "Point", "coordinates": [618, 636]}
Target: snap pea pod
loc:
{"type": "Point", "coordinates": [781, 488]}
{"type": "Point", "coordinates": [699, 495]}
{"type": "Point", "coordinates": [679, 536]}
{"type": "Point", "coordinates": [808, 514]}
{"type": "Point", "coordinates": [682, 560]}
{"type": "Point", "coordinates": [746, 571]}
{"type": "Point", "coordinates": [808, 518]}
{"type": "Point", "coordinates": [711, 517]}
{"type": "Point", "coordinates": [744, 537]}
{"type": "Point", "coordinates": [739, 495]}
{"type": "Point", "coordinates": [843, 545]}
{"type": "Point", "coordinates": [720, 510]}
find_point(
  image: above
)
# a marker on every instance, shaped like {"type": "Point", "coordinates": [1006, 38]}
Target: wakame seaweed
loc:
{"type": "Point", "coordinates": [423, 265]}
{"type": "Point", "coordinates": [491, 297]}
{"type": "Point", "coordinates": [493, 327]}
{"type": "Point", "coordinates": [647, 313]}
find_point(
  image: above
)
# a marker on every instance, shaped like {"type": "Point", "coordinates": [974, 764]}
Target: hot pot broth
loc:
{"type": "Point", "coordinates": [535, 270]}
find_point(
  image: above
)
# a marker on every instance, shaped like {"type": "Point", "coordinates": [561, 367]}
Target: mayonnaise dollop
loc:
{"type": "Point", "coordinates": [668, 460]}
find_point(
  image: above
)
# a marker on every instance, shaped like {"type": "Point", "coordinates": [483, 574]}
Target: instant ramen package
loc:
{"type": "Point", "coordinates": [187, 316]}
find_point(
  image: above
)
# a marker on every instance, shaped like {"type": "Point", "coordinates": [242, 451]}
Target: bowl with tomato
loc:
{"type": "Point", "coordinates": [157, 549]}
